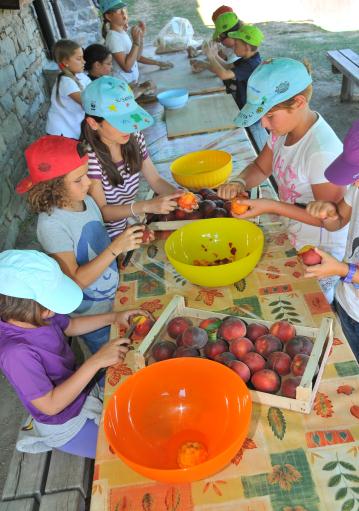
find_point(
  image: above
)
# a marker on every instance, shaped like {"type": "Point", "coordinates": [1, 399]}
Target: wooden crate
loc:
{"type": "Point", "coordinates": [306, 391]}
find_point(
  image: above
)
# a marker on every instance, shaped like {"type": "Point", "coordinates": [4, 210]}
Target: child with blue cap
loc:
{"type": "Point", "coordinates": [64, 401]}
{"type": "Point", "coordinates": [344, 170]}
{"type": "Point", "coordinates": [300, 147]}
{"type": "Point", "coordinates": [119, 156]}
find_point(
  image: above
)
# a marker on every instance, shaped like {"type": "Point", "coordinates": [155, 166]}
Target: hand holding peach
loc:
{"type": "Point", "coordinates": [328, 267]}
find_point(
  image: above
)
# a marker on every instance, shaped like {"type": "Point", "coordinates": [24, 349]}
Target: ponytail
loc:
{"type": "Point", "coordinates": [64, 49]}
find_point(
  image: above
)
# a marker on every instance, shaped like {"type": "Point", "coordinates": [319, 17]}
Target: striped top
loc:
{"type": "Point", "coordinates": [120, 194]}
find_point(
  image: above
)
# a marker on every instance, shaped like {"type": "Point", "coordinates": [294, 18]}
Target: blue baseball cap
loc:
{"type": "Point", "coordinates": [110, 5]}
{"type": "Point", "coordinates": [113, 99]}
{"type": "Point", "coordinates": [273, 81]}
{"type": "Point", "coordinates": [36, 276]}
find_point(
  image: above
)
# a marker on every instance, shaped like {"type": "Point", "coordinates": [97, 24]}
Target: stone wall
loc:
{"type": "Point", "coordinates": [24, 101]}
{"type": "Point", "coordinates": [82, 21]}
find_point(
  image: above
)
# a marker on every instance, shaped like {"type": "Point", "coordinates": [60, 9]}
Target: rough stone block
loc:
{"type": "Point", "coordinates": [7, 78]}
{"type": "Point", "coordinates": [21, 63]}
{"type": "Point", "coordinates": [21, 107]}
{"type": "Point", "coordinates": [7, 102]}
{"type": "Point", "coordinates": [11, 129]}
{"type": "Point", "coordinates": [7, 51]}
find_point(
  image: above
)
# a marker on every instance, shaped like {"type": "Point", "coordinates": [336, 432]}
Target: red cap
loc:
{"type": "Point", "coordinates": [49, 157]}
{"type": "Point", "coordinates": [221, 10]}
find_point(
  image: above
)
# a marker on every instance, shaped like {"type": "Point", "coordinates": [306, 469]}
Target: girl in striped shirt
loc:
{"type": "Point", "coordinates": [112, 128]}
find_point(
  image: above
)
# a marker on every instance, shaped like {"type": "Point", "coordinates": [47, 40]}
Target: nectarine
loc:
{"type": "Point", "coordinates": [239, 347]}
{"type": "Point", "coordinates": [283, 330]}
{"type": "Point", "coordinates": [241, 369]}
{"type": "Point", "coordinates": [266, 344]}
{"type": "Point", "coordinates": [177, 326]}
{"type": "Point", "coordinates": [232, 328]}
{"type": "Point", "coordinates": [266, 380]}
{"type": "Point", "coordinates": [309, 256]}
{"type": "Point", "coordinates": [237, 208]}
{"type": "Point", "coordinates": [279, 362]}
{"type": "Point", "coordinates": [163, 350]}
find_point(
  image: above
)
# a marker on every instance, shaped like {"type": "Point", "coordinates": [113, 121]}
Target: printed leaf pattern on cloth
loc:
{"type": "Point", "coordinates": [283, 309]}
{"type": "Point", "coordinates": [214, 486]}
{"type": "Point", "coordinates": [346, 479]}
{"type": "Point", "coordinates": [123, 505]}
{"type": "Point", "coordinates": [247, 444]}
{"type": "Point", "coordinates": [285, 476]}
{"type": "Point", "coordinates": [115, 372]}
{"type": "Point", "coordinates": [208, 295]}
{"type": "Point", "coordinates": [172, 499]}
{"type": "Point", "coordinates": [147, 502]}
{"type": "Point", "coordinates": [152, 306]}
{"type": "Point", "coordinates": [345, 389]}
{"type": "Point", "coordinates": [323, 405]}
{"type": "Point", "coordinates": [277, 422]}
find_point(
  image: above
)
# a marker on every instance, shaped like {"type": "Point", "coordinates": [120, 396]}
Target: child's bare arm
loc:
{"type": "Point", "coordinates": [76, 96]}
{"type": "Point", "coordinates": [333, 216]}
{"type": "Point", "coordinates": [61, 396]}
{"type": "Point", "coordinates": [84, 324]}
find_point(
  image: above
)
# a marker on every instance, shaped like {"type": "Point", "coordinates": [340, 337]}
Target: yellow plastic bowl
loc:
{"type": "Point", "coordinates": [202, 169]}
{"type": "Point", "coordinates": [213, 239]}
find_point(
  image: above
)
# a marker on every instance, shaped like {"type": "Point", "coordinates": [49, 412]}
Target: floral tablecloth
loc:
{"type": "Point", "coordinates": [289, 461]}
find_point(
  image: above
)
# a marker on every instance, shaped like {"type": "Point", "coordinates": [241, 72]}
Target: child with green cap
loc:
{"type": "Point", "coordinates": [300, 147]}
{"type": "Point", "coordinates": [63, 400]}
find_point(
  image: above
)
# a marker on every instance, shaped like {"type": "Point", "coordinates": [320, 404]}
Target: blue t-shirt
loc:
{"type": "Point", "coordinates": [84, 234]}
{"type": "Point", "coordinates": [243, 68]}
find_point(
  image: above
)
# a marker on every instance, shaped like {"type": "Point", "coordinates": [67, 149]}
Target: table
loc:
{"type": "Point", "coordinates": [180, 76]}
{"type": "Point", "coordinates": [289, 461]}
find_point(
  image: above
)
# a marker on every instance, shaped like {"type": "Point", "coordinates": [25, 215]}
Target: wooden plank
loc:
{"type": "Point", "coordinates": [26, 476]}
{"type": "Point", "coordinates": [180, 76]}
{"type": "Point", "coordinates": [19, 505]}
{"type": "Point", "coordinates": [64, 501]}
{"type": "Point", "coordinates": [202, 115]}
{"type": "Point", "coordinates": [346, 66]}
{"type": "Point", "coordinates": [68, 472]}
{"type": "Point", "coordinates": [351, 55]}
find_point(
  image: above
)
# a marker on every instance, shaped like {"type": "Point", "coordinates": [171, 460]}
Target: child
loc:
{"type": "Point", "coordinates": [70, 226]}
{"type": "Point", "coordinates": [343, 171]}
{"type": "Point", "coordinates": [66, 113]}
{"type": "Point", "coordinates": [300, 147]}
{"type": "Point", "coordinates": [126, 53]}
{"type": "Point", "coordinates": [64, 402]}
{"type": "Point", "coordinates": [119, 154]}
{"type": "Point", "coordinates": [98, 61]}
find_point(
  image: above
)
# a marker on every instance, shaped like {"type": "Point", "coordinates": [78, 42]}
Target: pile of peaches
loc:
{"type": "Point", "coordinates": [203, 204]}
{"type": "Point", "coordinates": [268, 359]}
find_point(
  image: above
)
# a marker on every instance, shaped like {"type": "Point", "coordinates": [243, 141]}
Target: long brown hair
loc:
{"type": "Point", "coordinates": [131, 153]}
{"type": "Point", "coordinates": [21, 309]}
{"type": "Point", "coordinates": [64, 49]}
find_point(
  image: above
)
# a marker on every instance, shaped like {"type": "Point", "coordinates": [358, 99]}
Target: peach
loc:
{"type": "Point", "coordinates": [194, 337]}
{"type": "Point", "coordinates": [309, 256]}
{"type": "Point", "coordinates": [255, 330]}
{"type": "Point", "coordinates": [188, 201]}
{"type": "Point", "coordinates": [266, 344]}
{"type": "Point", "coordinates": [299, 363]}
{"type": "Point", "coordinates": [177, 326]}
{"type": "Point", "coordinates": [163, 350]}
{"type": "Point", "coordinates": [283, 330]}
{"type": "Point", "coordinates": [299, 344]}
{"type": "Point", "coordinates": [212, 349]}
{"type": "Point", "coordinates": [254, 361]}
{"type": "Point", "coordinates": [143, 324]}
{"type": "Point", "coordinates": [147, 236]}
{"type": "Point", "coordinates": [289, 387]}
{"type": "Point", "coordinates": [266, 380]}
{"type": "Point", "coordinates": [232, 328]}
{"type": "Point", "coordinates": [207, 208]}
{"type": "Point", "coordinates": [241, 369]}
{"type": "Point", "coordinates": [239, 347]}
{"type": "Point", "coordinates": [279, 362]}
{"type": "Point", "coordinates": [225, 357]}
{"type": "Point", "coordinates": [191, 454]}
{"type": "Point", "coordinates": [179, 340]}
{"type": "Point", "coordinates": [237, 208]}
{"type": "Point", "coordinates": [184, 351]}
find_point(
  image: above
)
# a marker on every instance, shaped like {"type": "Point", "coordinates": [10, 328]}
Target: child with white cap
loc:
{"type": "Point", "coordinates": [63, 400]}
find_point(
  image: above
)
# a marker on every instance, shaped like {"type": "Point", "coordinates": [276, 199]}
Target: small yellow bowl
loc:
{"type": "Point", "coordinates": [202, 169]}
{"type": "Point", "coordinates": [211, 239]}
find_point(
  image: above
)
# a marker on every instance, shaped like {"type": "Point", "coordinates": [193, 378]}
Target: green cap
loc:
{"type": "Point", "coordinates": [249, 34]}
{"type": "Point", "coordinates": [110, 5]}
{"type": "Point", "coordinates": [225, 22]}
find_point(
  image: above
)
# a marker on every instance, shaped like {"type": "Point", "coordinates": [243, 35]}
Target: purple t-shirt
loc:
{"type": "Point", "coordinates": [35, 360]}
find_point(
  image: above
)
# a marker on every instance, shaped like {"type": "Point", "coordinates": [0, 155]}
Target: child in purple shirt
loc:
{"type": "Point", "coordinates": [35, 357]}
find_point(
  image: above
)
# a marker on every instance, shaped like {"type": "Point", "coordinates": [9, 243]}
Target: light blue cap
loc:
{"type": "Point", "coordinates": [273, 81]}
{"type": "Point", "coordinates": [36, 276]}
{"type": "Point", "coordinates": [110, 5]}
{"type": "Point", "coordinates": [113, 99]}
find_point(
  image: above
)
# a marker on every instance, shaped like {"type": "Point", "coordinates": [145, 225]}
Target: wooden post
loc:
{"type": "Point", "coordinates": [347, 90]}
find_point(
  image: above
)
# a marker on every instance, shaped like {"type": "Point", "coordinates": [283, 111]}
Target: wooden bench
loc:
{"type": "Point", "coordinates": [346, 62]}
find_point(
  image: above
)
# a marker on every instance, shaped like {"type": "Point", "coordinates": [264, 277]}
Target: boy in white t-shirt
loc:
{"type": "Point", "coordinates": [125, 52]}
{"type": "Point", "coordinates": [343, 171]}
{"type": "Point", "coordinates": [66, 113]}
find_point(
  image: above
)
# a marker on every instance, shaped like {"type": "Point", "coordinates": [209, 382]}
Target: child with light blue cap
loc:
{"type": "Point", "coordinates": [300, 146]}
{"type": "Point", "coordinates": [63, 401]}
{"type": "Point", "coordinates": [112, 127]}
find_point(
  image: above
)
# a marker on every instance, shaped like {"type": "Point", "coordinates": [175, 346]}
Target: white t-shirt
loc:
{"type": "Point", "coordinates": [296, 168]}
{"type": "Point", "coordinates": [65, 114]}
{"type": "Point", "coordinates": [121, 42]}
{"type": "Point", "coordinates": [347, 294]}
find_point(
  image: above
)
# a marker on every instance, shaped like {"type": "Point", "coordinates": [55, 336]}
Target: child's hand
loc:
{"type": "Point", "coordinates": [136, 34]}
{"type": "Point", "coordinates": [130, 239]}
{"type": "Point", "coordinates": [112, 352]}
{"type": "Point", "coordinates": [124, 318]}
{"type": "Point", "coordinates": [163, 64]}
{"type": "Point", "coordinates": [211, 50]}
{"type": "Point", "coordinates": [163, 204]}
{"type": "Point", "coordinates": [229, 191]}
{"type": "Point", "coordinates": [256, 207]}
{"type": "Point", "coordinates": [327, 268]}
{"type": "Point", "coordinates": [142, 26]}
{"type": "Point", "coordinates": [322, 210]}
{"type": "Point", "coordinates": [198, 66]}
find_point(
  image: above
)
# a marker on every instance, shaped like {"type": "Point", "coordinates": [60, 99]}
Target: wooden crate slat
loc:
{"type": "Point", "coordinates": [26, 475]}
{"type": "Point", "coordinates": [19, 505]}
{"type": "Point", "coordinates": [68, 472]}
{"type": "Point", "coordinates": [63, 501]}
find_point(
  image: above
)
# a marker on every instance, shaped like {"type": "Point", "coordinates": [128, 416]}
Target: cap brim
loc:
{"type": "Point", "coordinates": [66, 298]}
{"type": "Point", "coordinates": [250, 115]}
{"type": "Point", "coordinates": [24, 186]}
{"type": "Point", "coordinates": [138, 120]}
{"type": "Point", "coordinates": [342, 173]}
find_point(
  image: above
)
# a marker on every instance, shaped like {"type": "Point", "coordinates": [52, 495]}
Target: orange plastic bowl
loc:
{"type": "Point", "coordinates": [169, 403]}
